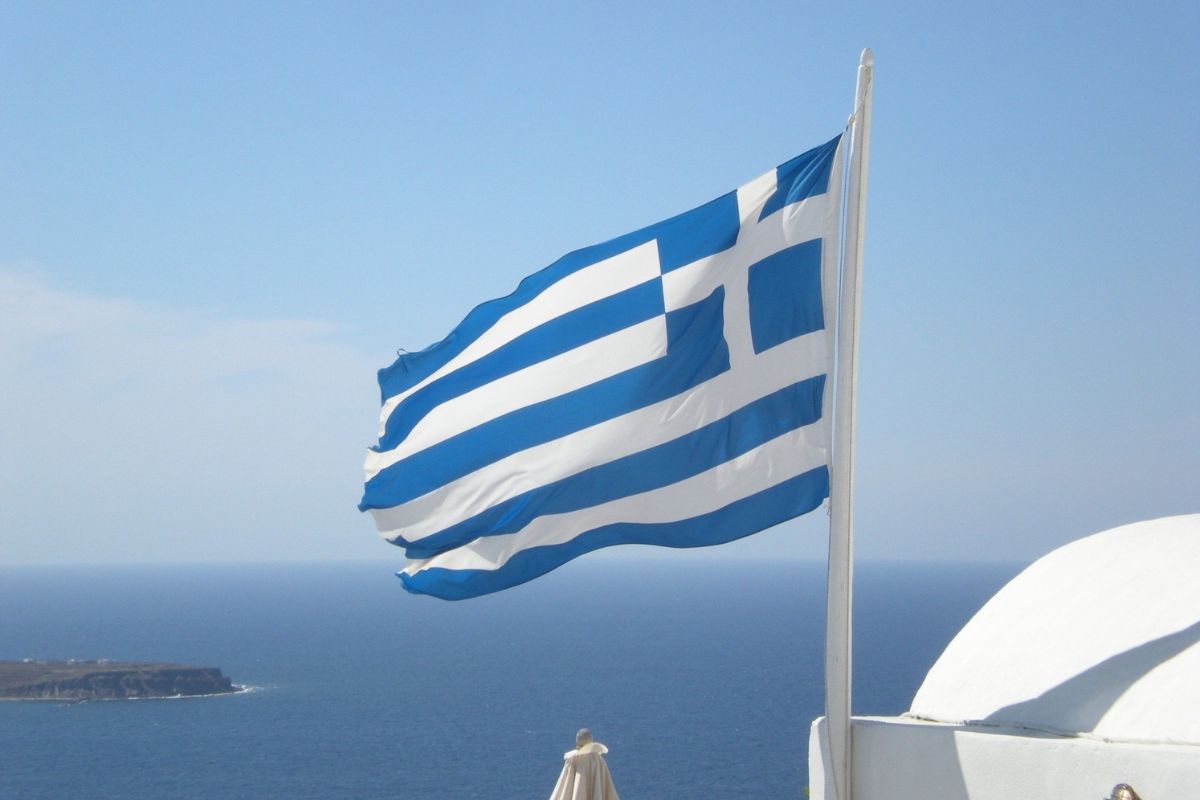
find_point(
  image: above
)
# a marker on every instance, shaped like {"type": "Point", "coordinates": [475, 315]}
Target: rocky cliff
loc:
{"type": "Point", "coordinates": [106, 680]}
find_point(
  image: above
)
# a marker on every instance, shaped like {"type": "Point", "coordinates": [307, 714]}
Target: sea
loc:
{"type": "Point", "coordinates": [700, 675]}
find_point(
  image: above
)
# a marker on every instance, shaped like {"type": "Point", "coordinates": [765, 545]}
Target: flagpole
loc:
{"type": "Point", "coordinates": [841, 495]}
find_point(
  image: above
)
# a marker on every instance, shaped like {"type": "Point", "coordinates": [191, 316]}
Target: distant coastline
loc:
{"type": "Point", "coordinates": [81, 681]}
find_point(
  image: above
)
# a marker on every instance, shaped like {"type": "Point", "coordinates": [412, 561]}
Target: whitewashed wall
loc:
{"type": "Point", "coordinates": [898, 759]}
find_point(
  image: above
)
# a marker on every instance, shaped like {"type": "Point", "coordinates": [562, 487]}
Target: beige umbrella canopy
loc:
{"type": "Point", "coordinates": [585, 774]}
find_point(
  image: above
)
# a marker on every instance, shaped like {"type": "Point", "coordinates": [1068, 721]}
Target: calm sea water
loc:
{"type": "Point", "coordinates": [701, 677]}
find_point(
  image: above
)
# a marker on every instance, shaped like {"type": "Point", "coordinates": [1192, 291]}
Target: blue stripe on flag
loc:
{"type": "Point", "coordinates": [785, 500]}
{"type": "Point", "coordinates": [745, 429]}
{"type": "Point", "coordinates": [696, 352]}
{"type": "Point", "coordinates": [557, 336]}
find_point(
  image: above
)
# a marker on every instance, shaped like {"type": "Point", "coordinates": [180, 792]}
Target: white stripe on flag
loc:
{"type": "Point", "coordinates": [751, 196]}
{"type": "Point", "coordinates": [784, 457]}
{"type": "Point", "coordinates": [595, 282]}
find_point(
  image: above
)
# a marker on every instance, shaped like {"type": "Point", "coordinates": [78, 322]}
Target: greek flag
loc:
{"type": "Point", "coordinates": [667, 387]}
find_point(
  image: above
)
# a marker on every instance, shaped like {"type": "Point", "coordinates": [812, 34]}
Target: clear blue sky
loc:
{"type": "Point", "coordinates": [217, 221]}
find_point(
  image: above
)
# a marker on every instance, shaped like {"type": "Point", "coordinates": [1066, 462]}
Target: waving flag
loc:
{"type": "Point", "coordinates": [667, 387]}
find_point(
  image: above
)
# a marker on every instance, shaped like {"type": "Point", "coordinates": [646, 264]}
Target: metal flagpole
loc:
{"type": "Point", "coordinates": [841, 498]}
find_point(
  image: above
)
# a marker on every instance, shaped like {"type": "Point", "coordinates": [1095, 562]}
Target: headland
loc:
{"type": "Point", "coordinates": [74, 681]}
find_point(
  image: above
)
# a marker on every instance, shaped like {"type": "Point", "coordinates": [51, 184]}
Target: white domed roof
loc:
{"type": "Point", "coordinates": [1101, 636]}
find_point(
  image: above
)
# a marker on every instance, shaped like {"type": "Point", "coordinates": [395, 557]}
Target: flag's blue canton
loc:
{"type": "Point", "coordinates": [612, 398]}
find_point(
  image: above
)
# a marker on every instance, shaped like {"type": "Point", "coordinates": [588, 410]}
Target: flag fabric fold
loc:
{"type": "Point", "coordinates": [668, 387]}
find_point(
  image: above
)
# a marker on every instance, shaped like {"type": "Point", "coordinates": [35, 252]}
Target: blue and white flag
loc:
{"type": "Point", "coordinates": [667, 387]}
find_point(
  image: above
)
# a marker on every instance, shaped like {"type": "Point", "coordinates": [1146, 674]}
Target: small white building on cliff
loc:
{"type": "Point", "coordinates": [1080, 674]}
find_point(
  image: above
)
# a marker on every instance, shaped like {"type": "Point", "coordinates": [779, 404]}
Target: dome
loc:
{"type": "Point", "coordinates": [1100, 637]}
